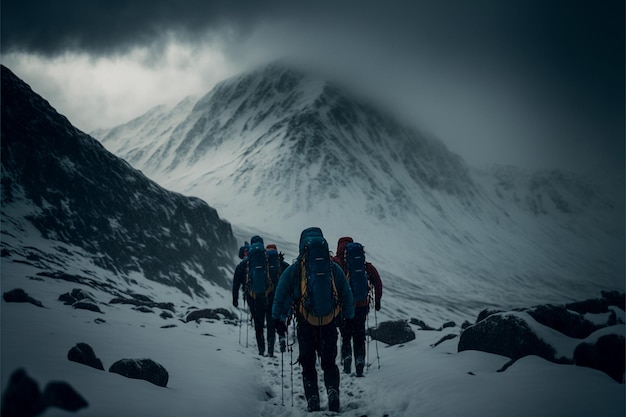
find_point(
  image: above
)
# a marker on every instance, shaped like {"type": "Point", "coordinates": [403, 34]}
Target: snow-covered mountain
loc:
{"type": "Point", "coordinates": [279, 149]}
{"type": "Point", "coordinates": [65, 199]}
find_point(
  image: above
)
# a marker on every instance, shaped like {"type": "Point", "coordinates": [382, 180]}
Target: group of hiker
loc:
{"type": "Point", "coordinates": [323, 292]}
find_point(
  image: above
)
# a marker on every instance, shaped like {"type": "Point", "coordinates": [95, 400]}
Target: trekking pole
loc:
{"type": "Point", "coordinates": [247, 327]}
{"type": "Point", "coordinates": [376, 322]}
{"type": "Point", "coordinates": [240, 320]}
{"type": "Point", "coordinates": [282, 379]}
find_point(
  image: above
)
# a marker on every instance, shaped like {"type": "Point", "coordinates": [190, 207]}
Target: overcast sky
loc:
{"type": "Point", "coordinates": [534, 83]}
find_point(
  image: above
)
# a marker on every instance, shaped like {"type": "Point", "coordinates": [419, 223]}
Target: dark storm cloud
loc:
{"type": "Point", "coordinates": [560, 62]}
{"type": "Point", "coordinates": [108, 26]}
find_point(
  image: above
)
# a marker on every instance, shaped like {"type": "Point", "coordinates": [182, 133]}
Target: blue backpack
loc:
{"type": "Point", "coordinates": [319, 303]}
{"type": "Point", "coordinates": [258, 280]}
{"type": "Point", "coordinates": [273, 262]}
{"type": "Point", "coordinates": [356, 272]}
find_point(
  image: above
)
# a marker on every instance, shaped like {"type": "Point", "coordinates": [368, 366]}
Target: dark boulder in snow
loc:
{"type": "Point", "coordinates": [75, 295]}
{"type": "Point", "coordinates": [421, 324]}
{"type": "Point", "coordinates": [145, 369]}
{"type": "Point", "coordinates": [507, 335]}
{"type": "Point", "coordinates": [62, 395]}
{"type": "Point", "coordinates": [393, 332]}
{"type": "Point", "coordinates": [22, 397]}
{"type": "Point", "coordinates": [606, 354]}
{"type": "Point", "coordinates": [211, 314]}
{"type": "Point", "coordinates": [87, 305]}
{"type": "Point", "coordinates": [83, 353]}
{"type": "Point", "coordinates": [559, 318]}
{"type": "Point", "coordinates": [18, 295]}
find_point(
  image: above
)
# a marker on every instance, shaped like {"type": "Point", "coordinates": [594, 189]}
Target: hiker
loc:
{"type": "Point", "coordinates": [362, 276]}
{"type": "Point", "coordinates": [318, 291]}
{"type": "Point", "coordinates": [276, 264]}
{"type": "Point", "coordinates": [253, 273]}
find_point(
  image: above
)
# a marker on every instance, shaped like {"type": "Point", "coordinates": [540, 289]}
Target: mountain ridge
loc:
{"type": "Point", "coordinates": [73, 191]}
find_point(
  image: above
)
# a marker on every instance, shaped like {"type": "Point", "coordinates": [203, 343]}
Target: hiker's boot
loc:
{"type": "Point", "coordinates": [359, 364]}
{"type": "Point", "coordinates": [347, 364]}
{"type": "Point", "coordinates": [314, 403]}
{"type": "Point", "coordinates": [333, 399]}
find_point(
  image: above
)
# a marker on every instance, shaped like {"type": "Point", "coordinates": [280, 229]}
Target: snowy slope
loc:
{"type": "Point", "coordinates": [60, 184]}
{"type": "Point", "coordinates": [280, 149]}
{"type": "Point", "coordinates": [54, 241]}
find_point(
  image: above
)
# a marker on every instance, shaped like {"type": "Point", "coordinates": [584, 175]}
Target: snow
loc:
{"type": "Point", "coordinates": [212, 372]}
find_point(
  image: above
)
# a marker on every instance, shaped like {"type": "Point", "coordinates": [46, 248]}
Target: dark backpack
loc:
{"type": "Point", "coordinates": [273, 261]}
{"type": "Point", "coordinates": [356, 272]}
{"type": "Point", "coordinates": [319, 303]}
{"type": "Point", "coordinates": [258, 280]}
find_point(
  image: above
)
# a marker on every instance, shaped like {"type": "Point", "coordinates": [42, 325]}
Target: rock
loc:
{"type": "Point", "coordinates": [211, 314]}
{"type": "Point", "coordinates": [486, 313]}
{"type": "Point", "coordinates": [75, 295]}
{"type": "Point", "coordinates": [87, 305]}
{"type": "Point", "coordinates": [145, 369]}
{"type": "Point", "coordinates": [507, 335]}
{"type": "Point", "coordinates": [614, 298]}
{"type": "Point", "coordinates": [393, 332]}
{"type": "Point", "coordinates": [62, 395]}
{"type": "Point", "coordinates": [421, 324]}
{"type": "Point", "coordinates": [166, 315]}
{"type": "Point", "coordinates": [563, 320]}
{"type": "Point", "coordinates": [606, 354]}
{"type": "Point", "coordinates": [18, 295]}
{"type": "Point", "coordinates": [448, 324]}
{"type": "Point", "coordinates": [465, 325]}
{"type": "Point", "coordinates": [84, 354]}
{"type": "Point", "coordinates": [443, 339]}
{"type": "Point", "coordinates": [22, 397]}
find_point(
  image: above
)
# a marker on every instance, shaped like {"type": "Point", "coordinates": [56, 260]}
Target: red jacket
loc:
{"type": "Point", "coordinates": [372, 273]}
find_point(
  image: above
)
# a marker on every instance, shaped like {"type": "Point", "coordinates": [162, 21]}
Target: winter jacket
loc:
{"type": "Point", "coordinates": [372, 272]}
{"type": "Point", "coordinates": [289, 292]}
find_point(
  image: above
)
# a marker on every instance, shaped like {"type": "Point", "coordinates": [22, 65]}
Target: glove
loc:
{"type": "Point", "coordinates": [281, 328]}
{"type": "Point", "coordinates": [283, 343]}
{"type": "Point", "coordinates": [377, 305]}
{"type": "Point", "coordinates": [235, 302]}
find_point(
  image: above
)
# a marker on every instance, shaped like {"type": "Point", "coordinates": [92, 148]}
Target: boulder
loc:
{"type": "Point", "coordinates": [560, 318]}
{"type": "Point", "coordinates": [75, 295]}
{"type": "Point", "coordinates": [87, 305]}
{"type": "Point", "coordinates": [22, 397]}
{"type": "Point", "coordinates": [211, 314]}
{"type": "Point", "coordinates": [507, 335]}
{"type": "Point", "coordinates": [84, 354]}
{"type": "Point", "coordinates": [606, 355]}
{"type": "Point", "coordinates": [145, 369]}
{"type": "Point", "coordinates": [18, 295]}
{"type": "Point", "coordinates": [393, 332]}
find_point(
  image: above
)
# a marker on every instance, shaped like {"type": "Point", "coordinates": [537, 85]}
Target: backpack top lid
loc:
{"type": "Point", "coordinates": [243, 251]}
{"type": "Point", "coordinates": [309, 233]}
{"type": "Point", "coordinates": [256, 239]}
{"type": "Point", "coordinates": [341, 245]}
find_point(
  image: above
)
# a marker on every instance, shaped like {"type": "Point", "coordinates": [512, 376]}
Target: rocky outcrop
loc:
{"type": "Point", "coordinates": [596, 324]}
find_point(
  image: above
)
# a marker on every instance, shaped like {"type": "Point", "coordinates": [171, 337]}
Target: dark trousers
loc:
{"type": "Point", "coordinates": [353, 332]}
{"type": "Point", "coordinates": [322, 341]}
{"type": "Point", "coordinates": [258, 308]}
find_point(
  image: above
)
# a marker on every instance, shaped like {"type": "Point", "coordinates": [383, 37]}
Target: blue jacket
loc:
{"type": "Point", "coordinates": [289, 291]}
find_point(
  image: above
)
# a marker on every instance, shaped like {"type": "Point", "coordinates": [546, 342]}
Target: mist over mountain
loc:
{"type": "Point", "coordinates": [280, 148]}
{"type": "Point", "coordinates": [65, 199]}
